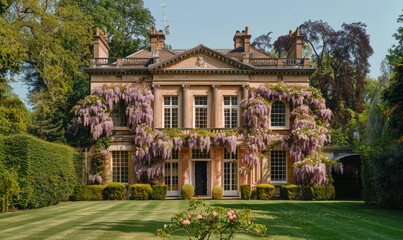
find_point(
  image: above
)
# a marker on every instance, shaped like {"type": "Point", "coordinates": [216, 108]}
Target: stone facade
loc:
{"type": "Point", "coordinates": [198, 72]}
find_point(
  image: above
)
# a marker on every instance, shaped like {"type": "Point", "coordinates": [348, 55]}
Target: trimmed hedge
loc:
{"type": "Point", "coordinates": [88, 192]}
{"type": "Point", "coordinates": [290, 192]}
{"type": "Point", "coordinates": [79, 165]}
{"type": "Point", "coordinates": [187, 191]}
{"type": "Point", "coordinates": [46, 174]}
{"type": "Point", "coordinates": [324, 193]}
{"type": "Point", "coordinates": [253, 195]}
{"type": "Point", "coordinates": [245, 191]}
{"type": "Point", "coordinates": [265, 191]}
{"type": "Point", "coordinates": [159, 192]}
{"type": "Point", "coordinates": [217, 192]}
{"type": "Point", "coordinates": [140, 191]}
{"type": "Point", "coordinates": [319, 193]}
{"type": "Point", "coordinates": [114, 191]}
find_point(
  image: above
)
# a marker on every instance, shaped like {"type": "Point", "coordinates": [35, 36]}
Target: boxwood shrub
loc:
{"type": "Point", "coordinates": [290, 192]}
{"type": "Point", "coordinates": [114, 191]}
{"type": "Point", "coordinates": [140, 191]}
{"type": "Point", "coordinates": [324, 193]}
{"type": "Point", "coordinates": [187, 191]}
{"type": "Point", "coordinates": [88, 192]}
{"type": "Point", "coordinates": [245, 191]}
{"type": "Point", "coordinates": [253, 194]}
{"type": "Point", "coordinates": [308, 193]}
{"type": "Point", "coordinates": [46, 172]}
{"type": "Point", "coordinates": [265, 191]}
{"type": "Point", "coordinates": [159, 192]}
{"type": "Point", "coordinates": [217, 192]}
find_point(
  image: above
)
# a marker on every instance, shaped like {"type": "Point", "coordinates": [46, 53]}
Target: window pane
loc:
{"type": "Point", "coordinates": [231, 112]}
{"type": "Point", "coordinates": [119, 118]}
{"type": "Point", "coordinates": [197, 154]}
{"type": "Point", "coordinates": [171, 112]}
{"type": "Point", "coordinates": [278, 161]}
{"type": "Point", "coordinates": [120, 166]}
{"type": "Point", "coordinates": [278, 114]}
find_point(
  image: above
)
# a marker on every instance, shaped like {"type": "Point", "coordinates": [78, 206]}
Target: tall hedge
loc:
{"type": "Point", "coordinates": [46, 170]}
{"type": "Point", "coordinates": [382, 176]}
{"type": "Point", "coordinates": [79, 165]}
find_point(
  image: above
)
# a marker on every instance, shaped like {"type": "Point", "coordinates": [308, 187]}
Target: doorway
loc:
{"type": "Point", "coordinates": [201, 178]}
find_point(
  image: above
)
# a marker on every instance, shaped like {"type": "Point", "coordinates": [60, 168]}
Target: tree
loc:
{"type": "Point", "coordinates": [126, 21]}
{"type": "Point", "coordinates": [263, 43]}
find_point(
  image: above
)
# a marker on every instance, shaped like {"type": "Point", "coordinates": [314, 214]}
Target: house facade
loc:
{"type": "Point", "coordinates": [201, 88]}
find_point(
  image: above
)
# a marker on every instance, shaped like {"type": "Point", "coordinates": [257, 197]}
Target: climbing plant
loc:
{"type": "Point", "coordinates": [308, 112]}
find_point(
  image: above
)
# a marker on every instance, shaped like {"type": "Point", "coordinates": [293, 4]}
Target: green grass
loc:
{"type": "Point", "coordinates": [140, 219]}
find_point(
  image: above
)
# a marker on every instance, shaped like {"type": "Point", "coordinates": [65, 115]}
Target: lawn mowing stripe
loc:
{"type": "Point", "coordinates": [34, 222]}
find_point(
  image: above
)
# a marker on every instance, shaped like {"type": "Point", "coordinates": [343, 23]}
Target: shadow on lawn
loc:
{"type": "Point", "coordinates": [126, 226]}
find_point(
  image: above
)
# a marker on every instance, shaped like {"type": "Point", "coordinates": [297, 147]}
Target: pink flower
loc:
{"type": "Point", "coordinates": [230, 213]}
{"type": "Point", "coordinates": [251, 217]}
{"type": "Point", "coordinates": [186, 222]}
{"type": "Point", "coordinates": [231, 218]}
{"type": "Point", "coordinates": [235, 217]}
{"type": "Point", "coordinates": [199, 217]}
{"type": "Point", "coordinates": [214, 214]}
{"type": "Point", "coordinates": [189, 215]}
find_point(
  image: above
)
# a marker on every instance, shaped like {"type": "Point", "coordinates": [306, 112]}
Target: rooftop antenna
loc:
{"type": "Point", "coordinates": [167, 28]}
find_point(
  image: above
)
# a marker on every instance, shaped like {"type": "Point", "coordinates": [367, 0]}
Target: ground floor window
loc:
{"type": "Point", "coordinates": [230, 173]}
{"type": "Point", "coordinates": [120, 166]}
{"type": "Point", "coordinates": [278, 164]}
{"type": "Point", "coordinates": [172, 174]}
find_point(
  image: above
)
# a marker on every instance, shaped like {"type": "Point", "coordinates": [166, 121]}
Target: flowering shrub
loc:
{"type": "Point", "coordinates": [202, 222]}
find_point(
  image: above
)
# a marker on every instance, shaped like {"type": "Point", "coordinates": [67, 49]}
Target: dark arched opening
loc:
{"type": "Point", "coordinates": [348, 185]}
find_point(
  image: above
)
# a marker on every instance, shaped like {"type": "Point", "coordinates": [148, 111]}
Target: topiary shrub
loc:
{"type": "Point", "coordinates": [290, 192]}
{"type": "Point", "coordinates": [265, 191]}
{"type": "Point", "coordinates": [159, 192]}
{"type": "Point", "coordinates": [217, 192]}
{"type": "Point", "coordinates": [245, 191]}
{"type": "Point", "coordinates": [114, 191]}
{"type": "Point", "coordinates": [324, 193]}
{"type": "Point", "coordinates": [187, 191]}
{"type": "Point", "coordinates": [253, 195]}
{"type": "Point", "coordinates": [140, 191]}
{"type": "Point", "coordinates": [88, 192]}
{"type": "Point", "coordinates": [308, 193]}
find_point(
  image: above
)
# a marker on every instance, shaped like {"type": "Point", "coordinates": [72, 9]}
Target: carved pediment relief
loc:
{"type": "Point", "coordinates": [200, 61]}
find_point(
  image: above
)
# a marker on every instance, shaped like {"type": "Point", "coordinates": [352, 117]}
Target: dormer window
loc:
{"type": "Point", "coordinates": [278, 115]}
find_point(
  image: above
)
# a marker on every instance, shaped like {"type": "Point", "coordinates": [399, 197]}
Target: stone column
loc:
{"type": "Point", "coordinates": [245, 91]}
{"type": "Point", "coordinates": [185, 106]}
{"type": "Point", "coordinates": [156, 109]}
{"type": "Point", "coordinates": [216, 114]}
{"type": "Point", "coordinates": [184, 167]}
{"type": "Point", "coordinates": [218, 156]}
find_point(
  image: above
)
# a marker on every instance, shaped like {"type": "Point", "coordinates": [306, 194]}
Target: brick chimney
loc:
{"type": "Point", "coordinates": [242, 40]}
{"type": "Point", "coordinates": [157, 39]}
{"type": "Point", "coordinates": [101, 44]}
{"type": "Point", "coordinates": [295, 44]}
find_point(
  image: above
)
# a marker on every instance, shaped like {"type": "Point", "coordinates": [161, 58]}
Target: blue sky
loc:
{"type": "Point", "coordinates": [214, 22]}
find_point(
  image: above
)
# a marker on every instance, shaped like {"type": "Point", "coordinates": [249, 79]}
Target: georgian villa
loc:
{"type": "Point", "coordinates": [201, 88]}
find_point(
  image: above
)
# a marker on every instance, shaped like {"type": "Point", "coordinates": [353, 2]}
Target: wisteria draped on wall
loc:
{"type": "Point", "coordinates": [308, 132]}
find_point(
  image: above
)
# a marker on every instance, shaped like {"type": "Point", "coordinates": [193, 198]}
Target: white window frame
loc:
{"type": "Point", "coordinates": [170, 107]}
{"type": "Point", "coordinates": [287, 117]}
{"type": "Point", "coordinates": [231, 107]}
{"type": "Point", "coordinates": [200, 106]}
{"type": "Point", "coordinates": [120, 167]}
{"type": "Point", "coordinates": [286, 168]}
{"type": "Point", "coordinates": [231, 192]}
{"type": "Point", "coordinates": [171, 161]}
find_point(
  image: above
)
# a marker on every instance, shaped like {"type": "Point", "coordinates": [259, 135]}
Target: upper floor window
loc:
{"type": "Point", "coordinates": [278, 163]}
{"type": "Point", "coordinates": [200, 112]}
{"type": "Point", "coordinates": [231, 112]}
{"type": "Point", "coordinates": [278, 114]}
{"type": "Point", "coordinates": [120, 166]}
{"type": "Point", "coordinates": [119, 116]}
{"type": "Point", "coordinates": [171, 112]}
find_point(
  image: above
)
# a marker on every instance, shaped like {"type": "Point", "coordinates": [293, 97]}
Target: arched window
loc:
{"type": "Point", "coordinates": [278, 114]}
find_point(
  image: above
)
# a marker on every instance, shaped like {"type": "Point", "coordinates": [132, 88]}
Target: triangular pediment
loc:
{"type": "Point", "coordinates": [200, 58]}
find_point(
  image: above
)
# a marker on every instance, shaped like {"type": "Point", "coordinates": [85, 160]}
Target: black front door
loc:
{"type": "Point", "coordinates": [201, 178]}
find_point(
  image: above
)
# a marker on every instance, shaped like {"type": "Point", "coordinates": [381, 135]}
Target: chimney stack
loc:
{"type": "Point", "coordinates": [242, 40]}
{"type": "Point", "coordinates": [101, 44]}
{"type": "Point", "coordinates": [295, 44]}
{"type": "Point", "coordinates": [157, 39]}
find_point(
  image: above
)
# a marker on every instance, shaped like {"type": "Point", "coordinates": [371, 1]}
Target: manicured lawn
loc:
{"type": "Point", "coordinates": [139, 219]}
